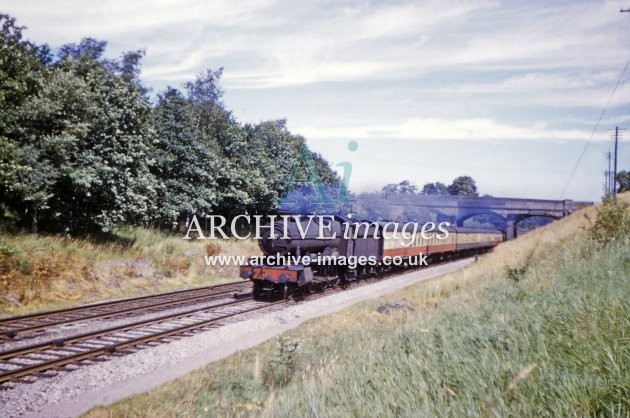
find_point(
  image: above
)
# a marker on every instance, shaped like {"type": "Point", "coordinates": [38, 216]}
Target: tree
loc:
{"type": "Point", "coordinates": [245, 189]}
{"type": "Point", "coordinates": [275, 151]}
{"type": "Point", "coordinates": [92, 127]}
{"type": "Point", "coordinates": [36, 182]}
{"type": "Point", "coordinates": [183, 165]}
{"type": "Point", "coordinates": [436, 188]}
{"type": "Point", "coordinates": [21, 67]}
{"type": "Point", "coordinates": [463, 186]}
{"type": "Point", "coordinates": [53, 123]}
{"type": "Point", "coordinates": [390, 189]}
{"type": "Point", "coordinates": [113, 182]}
{"type": "Point", "coordinates": [82, 148]}
{"type": "Point", "coordinates": [211, 117]}
{"type": "Point", "coordinates": [623, 179]}
{"type": "Point", "coordinates": [405, 187]}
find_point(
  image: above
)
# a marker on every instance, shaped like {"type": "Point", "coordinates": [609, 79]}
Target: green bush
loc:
{"type": "Point", "coordinates": [6, 248]}
{"type": "Point", "coordinates": [612, 223]}
{"type": "Point", "coordinates": [280, 369]}
{"type": "Point", "coordinates": [515, 274]}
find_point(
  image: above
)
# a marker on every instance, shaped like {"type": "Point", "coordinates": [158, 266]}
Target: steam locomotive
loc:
{"type": "Point", "coordinates": [302, 256]}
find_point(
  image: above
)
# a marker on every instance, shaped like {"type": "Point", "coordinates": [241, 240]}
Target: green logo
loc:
{"type": "Point", "coordinates": [310, 179]}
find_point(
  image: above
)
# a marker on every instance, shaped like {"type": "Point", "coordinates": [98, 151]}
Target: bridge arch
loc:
{"type": "Point", "coordinates": [521, 219]}
{"type": "Point", "coordinates": [460, 221]}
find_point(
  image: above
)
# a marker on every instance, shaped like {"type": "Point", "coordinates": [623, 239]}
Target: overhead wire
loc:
{"type": "Point", "coordinates": [601, 116]}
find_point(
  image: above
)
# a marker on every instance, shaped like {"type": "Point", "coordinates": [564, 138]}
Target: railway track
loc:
{"type": "Point", "coordinates": [48, 356]}
{"type": "Point", "coordinates": [13, 326]}
{"type": "Point", "coordinates": [54, 354]}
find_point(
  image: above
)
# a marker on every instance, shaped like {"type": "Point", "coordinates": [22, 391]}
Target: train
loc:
{"type": "Point", "coordinates": [301, 256]}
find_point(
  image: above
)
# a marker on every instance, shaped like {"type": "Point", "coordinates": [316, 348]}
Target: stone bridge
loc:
{"type": "Point", "coordinates": [456, 209]}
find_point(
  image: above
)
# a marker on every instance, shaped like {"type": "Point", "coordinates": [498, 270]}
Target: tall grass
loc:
{"type": "Point", "coordinates": [43, 272]}
{"type": "Point", "coordinates": [553, 343]}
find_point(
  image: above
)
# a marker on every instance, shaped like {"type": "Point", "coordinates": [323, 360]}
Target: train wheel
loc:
{"type": "Point", "coordinates": [300, 293]}
{"type": "Point", "coordinates": [257, 290]}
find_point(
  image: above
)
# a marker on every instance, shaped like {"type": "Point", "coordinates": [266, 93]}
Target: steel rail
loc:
{"type": "Point", "coordinates": [143, 308]}
{"type": "Point", "coordinates": [163, 301]}
{"type": "Point", "coordinates": [108, 349]}
{"type": "Point", "coordinates": [60, 342]}
{"type": "Point", "coordinates": [112, 302]}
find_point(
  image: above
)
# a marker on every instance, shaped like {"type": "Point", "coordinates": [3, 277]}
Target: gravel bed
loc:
{"type": "Point", "coordinates": [92, 325]}
{"type": "Point", "coordinates": [74, 390]}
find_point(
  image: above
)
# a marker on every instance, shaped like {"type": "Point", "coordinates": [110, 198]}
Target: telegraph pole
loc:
{"type": "Point", "coordinates": [615, 166]}
{"type": "Point", "coordinates": [622, 10]}
{"type": "Point", "coordinates": [608, 173]}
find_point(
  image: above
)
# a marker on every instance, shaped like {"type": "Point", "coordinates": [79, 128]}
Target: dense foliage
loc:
{"type": "Point", "coordinates": [623, 179]}
{"type": "Point", "coordinates": [401, 201]}
{"type": "Point", "coordinates": [461, 186]}
{"type": "Point", "coordinates": [612, 223]}
{"type": "Point", "coordinates": [84, 148]}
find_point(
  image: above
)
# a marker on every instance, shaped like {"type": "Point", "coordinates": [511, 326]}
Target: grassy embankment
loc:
{"type": "Point", "coordinates": [546, 336]}
{"type": "Point", "coordinates": [46, 272]}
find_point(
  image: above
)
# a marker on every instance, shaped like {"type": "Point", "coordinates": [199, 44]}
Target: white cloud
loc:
{"type": "Point", "coordinates": [285, 43]}
{"type": "Point", "coordinates": [498, 70]}
{"type": "Point", "coordinates": [525, 56]}
{"type": "Point", "coordinates": [189, 63]}
{"type": "Point", "coordinates": [445, 129]}
{"type": "Point", "coordinates": [558, 81]}
{"type": "Point", "coordinates": [69, 20]}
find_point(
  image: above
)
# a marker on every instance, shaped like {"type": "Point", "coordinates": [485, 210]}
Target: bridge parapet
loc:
{"type": "Point", "coordinates": [456, 209]}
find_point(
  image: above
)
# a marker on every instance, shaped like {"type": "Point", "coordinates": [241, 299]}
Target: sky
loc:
{"type": "Point", "coordinates": [507, 92]}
